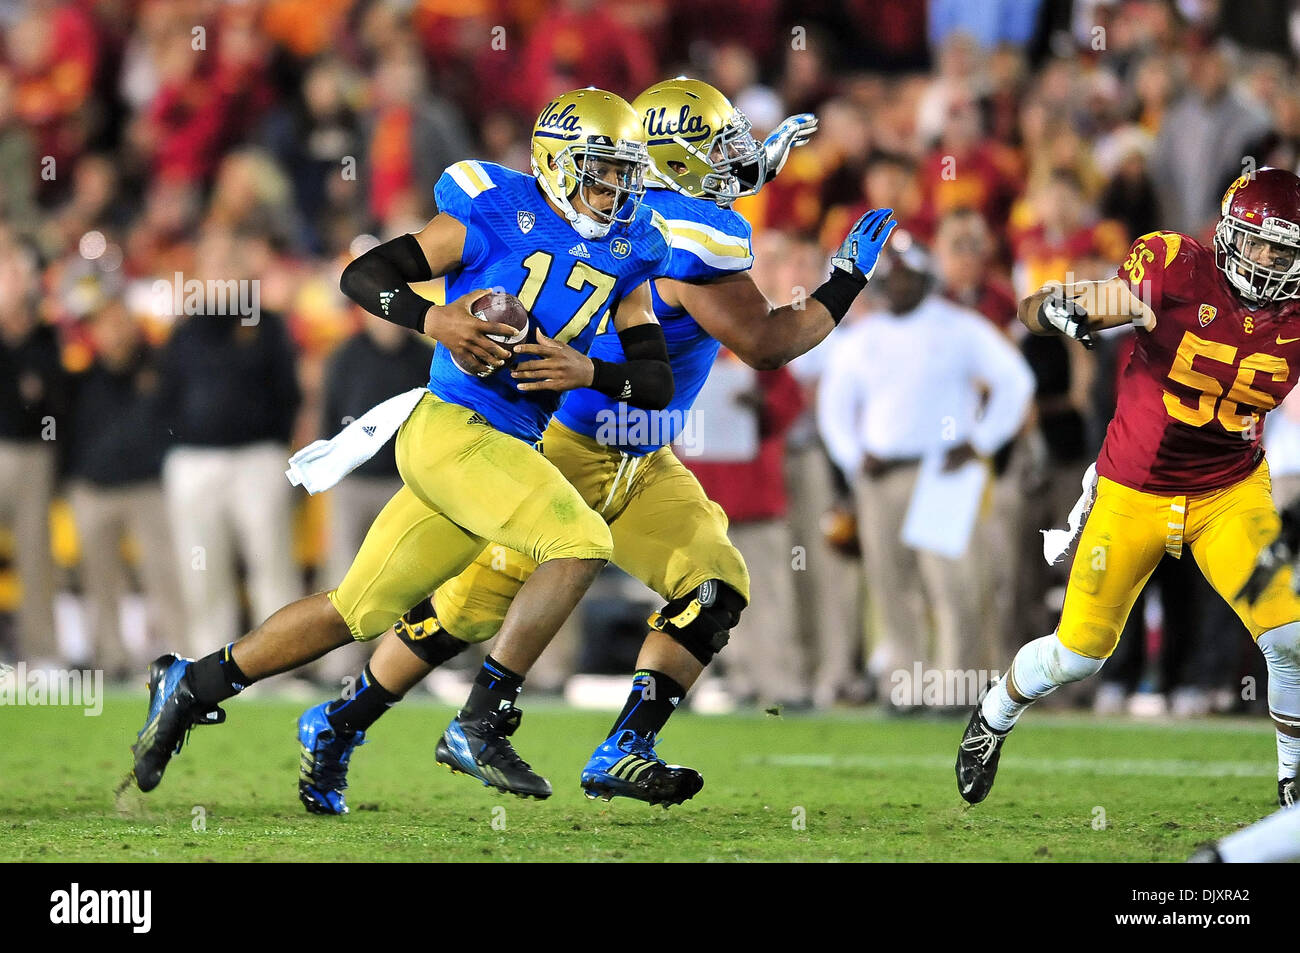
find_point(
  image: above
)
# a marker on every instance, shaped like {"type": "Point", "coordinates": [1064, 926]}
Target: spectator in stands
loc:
{"type": "Point", "coordinates": [117, 445]}
{"type": "Point", "coordinates": [33, 395]}
{"type": "Point", "coordinates": [1201, 145]}
{"type": "Point", "coordinates": [18, 165]}
{"type": "Point", "coordinates": [411, 136]}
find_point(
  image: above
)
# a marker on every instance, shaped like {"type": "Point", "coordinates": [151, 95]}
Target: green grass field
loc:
{"type": "Point", "coordinates": [852, 786]}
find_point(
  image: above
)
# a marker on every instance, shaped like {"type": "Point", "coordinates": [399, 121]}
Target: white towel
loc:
{"type": "Point", "coordinates": [320, 465]}
{"type": "Point", "coordinates": [1057, 541]}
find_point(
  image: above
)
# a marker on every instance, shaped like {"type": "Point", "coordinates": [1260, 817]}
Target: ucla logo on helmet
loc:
{"type": "Point", "coordinates": [690, 126]}
{"type": "Point", "coordinates": [558, 125]}
{"type": "Point", "coordinates": [620, 248]}
{"type": "Point", "coordinates": [526, 221]}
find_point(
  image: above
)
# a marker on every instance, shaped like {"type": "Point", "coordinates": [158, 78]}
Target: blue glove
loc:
{"type": "Point", "coordinates": [793, 131]}
{"type": "Point", "coordinates": [863, 244]}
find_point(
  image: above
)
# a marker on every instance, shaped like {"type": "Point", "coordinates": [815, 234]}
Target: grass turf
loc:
{"type": "Point", "coordinates": [851, 786]}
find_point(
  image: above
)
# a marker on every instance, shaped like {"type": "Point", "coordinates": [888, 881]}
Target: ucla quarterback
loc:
{"type": "Point", "coordinates": [576, 245]}
{"type": "Point", "coordinates": [666, 532]}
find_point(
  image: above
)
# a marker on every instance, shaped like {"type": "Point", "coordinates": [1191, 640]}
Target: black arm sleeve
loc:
{"type": "Point", "coordinates": [378, 281]}
{"type": "Point", "coordinates": [645, 378]}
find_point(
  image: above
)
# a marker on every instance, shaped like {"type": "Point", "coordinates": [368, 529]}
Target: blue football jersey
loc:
{"type": "Point", "coordinates": [515, 242]}
{"type": "Point", "coordinates": [707, 242]}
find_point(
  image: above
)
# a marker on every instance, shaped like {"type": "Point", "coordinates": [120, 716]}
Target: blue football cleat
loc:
{"type": "Point", "coordinates": [323, 769]}
{"type": "Point", "coordinates": [625, 765]}
{"type": "Point", "coordinates": [481, 748]}
{"type": "Point", "coordinates": [173, 710]}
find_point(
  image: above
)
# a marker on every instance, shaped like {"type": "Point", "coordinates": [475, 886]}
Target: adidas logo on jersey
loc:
{"type": "Point", "coordinates": [369, 430]}
{"type": "Point", "coordinates": [477, 418]}
{"type": "Point", "coordinates": [580, 251]}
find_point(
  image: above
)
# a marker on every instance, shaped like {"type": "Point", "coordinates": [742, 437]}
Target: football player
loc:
{"type": "Point", "coordinates": [1182, 466]}
{"type": "Point", "coordinates": [666, 532]}
{"type": "Point", "coordinates": [576, 245]}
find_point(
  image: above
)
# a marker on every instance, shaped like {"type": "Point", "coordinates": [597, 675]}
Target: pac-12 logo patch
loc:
{"type": "Point", "coordinates": [526, 221]}
{"type": "Point", "coordinates": [620, 248]}
{"type": "Point", "coordinates": [1206, 314]}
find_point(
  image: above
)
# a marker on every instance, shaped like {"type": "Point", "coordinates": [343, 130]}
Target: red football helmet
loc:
{"type": "Point", "coordinates": [1257, 241]}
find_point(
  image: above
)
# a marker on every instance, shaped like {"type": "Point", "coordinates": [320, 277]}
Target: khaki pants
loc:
{"type": "Point", "coordinates": [828, 597]}
{"type": "Point", "coordinates": [925, 607]}
{"type": "Point", "coordinates": [998, 539]}
{"type": "Point", "coordinates": [26, 487]}
{"type": "Point", "coordinates": [764, 659]}
{"type": "Point", "coordinates": [224, 501]}
{"type": "Point", "coordinates": [104, 515]}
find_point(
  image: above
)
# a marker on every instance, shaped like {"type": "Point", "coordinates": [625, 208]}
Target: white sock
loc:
{"type": "Point", "coordinates": [1281, 647]}
{"type": "Point", "coordinates": [1041, 667]}
{"type": "Point", "coordinates": [1288, 756]}
{"type": "Point", "coordinates": [1274, 839]}
{"type": "Point", "coordinates": [999, 709]}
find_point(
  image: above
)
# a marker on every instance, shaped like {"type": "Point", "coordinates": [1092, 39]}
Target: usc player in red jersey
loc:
{"type": "Point", "coordinates": [1182, 467]}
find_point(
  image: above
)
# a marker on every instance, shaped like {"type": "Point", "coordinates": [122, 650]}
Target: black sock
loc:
{"type": "Point", "coordinates": [216, 677]}
{"type": "Point", "coordinates": [368, 701]}
{"type": "Point", "coordinates": [652, 702]}
{"type": "Point", "coordinates": [495, 687]}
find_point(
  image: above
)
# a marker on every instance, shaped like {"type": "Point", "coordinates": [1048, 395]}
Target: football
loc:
{"type": "Point", "coordinates": [500, 307]}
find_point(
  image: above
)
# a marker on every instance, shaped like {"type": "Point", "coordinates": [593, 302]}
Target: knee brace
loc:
{"type": "Point", "coordinates": [701, 620]}
{"type": "Point", "coordinates": [1281, 648]}
{"type": "Point", "coordinates": [422, 633]}
{"type": "Point", "coordinates": [1045, 664]}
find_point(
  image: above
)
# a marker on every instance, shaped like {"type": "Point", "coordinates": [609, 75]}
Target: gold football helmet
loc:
{"type": "Point", "coordinates": [590, 143]}
{"type": "Point", "coordinates": [700, 144]}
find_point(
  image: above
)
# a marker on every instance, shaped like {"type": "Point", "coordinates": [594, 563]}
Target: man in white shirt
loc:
{"type": "Point", "coordinates": [904, 384]}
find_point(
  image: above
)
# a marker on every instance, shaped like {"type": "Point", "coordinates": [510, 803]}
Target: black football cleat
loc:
{"type": "Point", "coordinates": [626, 766]}
{"type": "Point", "coordinates": [173, 710]}
{"type": "Point", "coordinates": [1287, 792]}
{"type": "Point", "coordinates": [977, 756]}
{"type": "Point", "coordinates": [482, 749]}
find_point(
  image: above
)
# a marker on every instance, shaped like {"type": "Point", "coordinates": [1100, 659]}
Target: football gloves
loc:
{"type": "Point", "coordinates": [860, 253]}
{"type": "Point", "coordinates": [793, 131]}
{"type": "Point", "coordinates": [1274, 557]}
{"type": "Point", "coordinates": [1065, 315]}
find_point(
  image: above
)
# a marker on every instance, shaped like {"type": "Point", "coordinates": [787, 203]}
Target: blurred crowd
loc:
{"type": "Point", "coordinates": [146, 144]}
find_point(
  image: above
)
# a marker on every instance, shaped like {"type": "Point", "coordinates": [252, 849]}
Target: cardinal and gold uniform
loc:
{"type": "Point", "coordinates": [1182, 467]}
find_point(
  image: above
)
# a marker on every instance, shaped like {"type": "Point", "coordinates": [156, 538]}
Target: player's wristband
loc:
{"type": "Point", "coordinates": [837, 294]}
{"type": "Point", "coordinates": [645, 379]}
{"type": "Point", "coordinates": [378, 282]}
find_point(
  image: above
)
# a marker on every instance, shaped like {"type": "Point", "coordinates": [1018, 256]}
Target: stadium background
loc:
{"type": "Point", "coordinates": [258, 141]}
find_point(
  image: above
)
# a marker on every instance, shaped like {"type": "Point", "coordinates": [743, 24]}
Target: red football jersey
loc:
{"type": "Point", "coordinates": [1189, 415]}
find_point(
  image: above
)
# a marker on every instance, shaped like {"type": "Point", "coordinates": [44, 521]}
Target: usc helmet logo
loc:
{"type": "Point", "coordinates": [1232, 190]}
